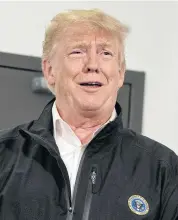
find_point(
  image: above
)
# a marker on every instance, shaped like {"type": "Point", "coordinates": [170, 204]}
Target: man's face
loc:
{"type": "Point", "coordinates": [85, 68]}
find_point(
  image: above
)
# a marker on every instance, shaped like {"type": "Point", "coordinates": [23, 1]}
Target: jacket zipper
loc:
{"type": "Point", "coordinates": [71, 211]}
{"type": "Point", "coordinates": [89, 194]}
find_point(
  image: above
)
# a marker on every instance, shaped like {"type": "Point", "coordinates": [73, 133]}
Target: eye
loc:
{"type": "Point", "coordinates": [76, 52]}
{"type": "Point", "coordinates": [107, 53]}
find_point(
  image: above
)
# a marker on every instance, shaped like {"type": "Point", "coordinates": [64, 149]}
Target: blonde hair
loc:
{"type": "Point", "coordinates": [95, 17]}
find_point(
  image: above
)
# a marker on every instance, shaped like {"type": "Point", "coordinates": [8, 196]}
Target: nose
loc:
{"type": "Point", "coordinates": [91, 64]}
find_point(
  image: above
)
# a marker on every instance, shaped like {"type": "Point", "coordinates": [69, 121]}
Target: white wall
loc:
{"type": "Point", "coordinates": [152, 46]}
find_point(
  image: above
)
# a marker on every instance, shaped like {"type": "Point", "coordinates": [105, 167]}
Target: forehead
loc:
{"type": "Point", "coordinates": [86, 34]}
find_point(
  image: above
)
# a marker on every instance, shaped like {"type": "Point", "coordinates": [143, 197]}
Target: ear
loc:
{"type": "Point", "coordinates": [48, 72]}
{"type": "Point", "coordinates": [122, 70]}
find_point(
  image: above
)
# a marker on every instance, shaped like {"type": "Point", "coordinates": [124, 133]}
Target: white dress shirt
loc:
{"type": "Point", "coordinates": [70, 146]}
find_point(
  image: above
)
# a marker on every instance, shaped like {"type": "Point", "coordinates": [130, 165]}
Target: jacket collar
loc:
{"type": "Point", "coordinates": [44, 124]}
{"type": "Point", "coordinates": [45, 120]}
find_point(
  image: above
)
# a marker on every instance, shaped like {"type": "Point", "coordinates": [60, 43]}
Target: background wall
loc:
{"type": "Point", "coordinates": [152, 46]}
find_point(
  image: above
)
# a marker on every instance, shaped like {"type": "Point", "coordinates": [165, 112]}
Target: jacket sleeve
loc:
{"type": "Point", "coordinates": [7, 161]}
{"type": "Point", "coordinates": [169, 200]}
{"type": "Point", "coordinates": [170, 208]}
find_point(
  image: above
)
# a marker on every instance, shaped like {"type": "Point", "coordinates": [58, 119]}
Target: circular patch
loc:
{"type": "Point", "coordinates": [138, 205]}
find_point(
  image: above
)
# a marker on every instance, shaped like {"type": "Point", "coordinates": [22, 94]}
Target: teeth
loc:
{"type": "Point", "coordinates": [91, 84]}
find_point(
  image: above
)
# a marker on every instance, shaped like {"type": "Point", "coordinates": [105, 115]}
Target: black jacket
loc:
{"type": "Point", "coordinates": [122, 176]}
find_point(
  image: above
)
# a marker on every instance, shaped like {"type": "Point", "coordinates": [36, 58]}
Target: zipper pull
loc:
{"type": "Point", "coordinates": [70, 209]}
{"type": "Point", "coordinates": [93, 179]}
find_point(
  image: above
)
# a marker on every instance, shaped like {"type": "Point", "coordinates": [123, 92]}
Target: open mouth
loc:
{"type": "Point", "coordinates": [91, 84]}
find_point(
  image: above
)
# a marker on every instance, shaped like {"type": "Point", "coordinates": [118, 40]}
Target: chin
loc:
{"type": "Point", "coordinates": [90, 106]}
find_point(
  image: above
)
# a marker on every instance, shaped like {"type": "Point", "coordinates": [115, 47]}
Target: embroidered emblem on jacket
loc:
{"type": "Point", "coordinates": [138, 205]}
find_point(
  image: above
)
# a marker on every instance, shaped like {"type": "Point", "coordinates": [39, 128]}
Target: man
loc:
{"type": "Point", "coordinates": [77, 162]}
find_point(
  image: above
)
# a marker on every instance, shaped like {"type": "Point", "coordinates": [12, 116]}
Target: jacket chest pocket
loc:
{"type": "Point", "coordinates": [137, 201]}
{"type": "Point", "coordinates": [133, 201]}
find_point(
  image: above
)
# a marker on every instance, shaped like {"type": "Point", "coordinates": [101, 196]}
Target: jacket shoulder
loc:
{"type": "Point", "coordinates": [9, 147]}
{"type": "Point", "coordinates": [13, 132]}
{"type": "Point", "coordinates": [152, 148]}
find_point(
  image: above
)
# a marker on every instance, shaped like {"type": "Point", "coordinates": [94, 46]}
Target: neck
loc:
{"type": "Point", "coordinates": [84, 119]}
{"type": "Point", "coordinates": [84, 123]}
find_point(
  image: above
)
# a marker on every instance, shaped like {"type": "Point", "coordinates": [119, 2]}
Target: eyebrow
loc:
{"type": "Point", "coordinates": [83, 45]}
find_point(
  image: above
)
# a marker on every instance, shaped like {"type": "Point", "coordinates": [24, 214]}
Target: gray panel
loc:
{"type": "Point", "coordinates": [20, 62]}
{"type": "Point", "coordinates": [124, 101]}
{"type": "Point", "coordinates": [18, 103]}
{"type": "Point", "coordinates": [136, 80]}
